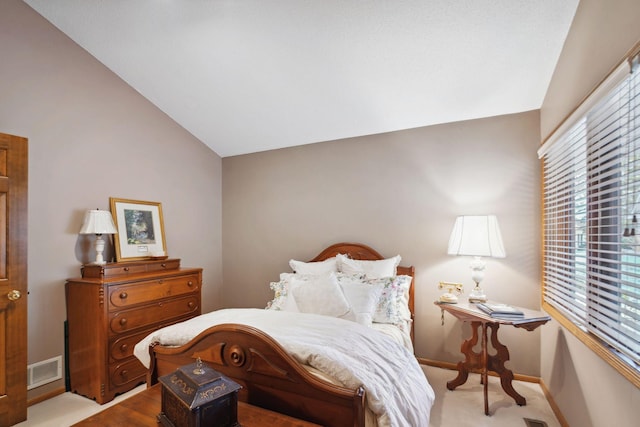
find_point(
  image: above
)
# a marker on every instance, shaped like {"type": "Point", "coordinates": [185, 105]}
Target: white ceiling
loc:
{"type": "Point", "coordinates": [253, 75]}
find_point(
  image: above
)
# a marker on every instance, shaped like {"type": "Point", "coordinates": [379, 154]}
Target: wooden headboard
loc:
{"type": "Point", "coordinates": [363, 252]}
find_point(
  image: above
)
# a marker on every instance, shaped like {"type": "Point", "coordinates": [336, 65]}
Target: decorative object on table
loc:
{"type": "Point", "coordinates": [501, 311]}
{"type": "Point", "coordinates": [196, 395]}
{"type": "Point", "coordinates": [140, 229]}
{"type": "Point", "coordinates": [477, 236]}
{"type": "Point", "coordinates": [452, 292]}
{"type": "Point", "coordinates": [98, 222]}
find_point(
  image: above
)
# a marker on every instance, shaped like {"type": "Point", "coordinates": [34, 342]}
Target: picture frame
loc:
{"type": "Point", "coordinates": [140, 228]}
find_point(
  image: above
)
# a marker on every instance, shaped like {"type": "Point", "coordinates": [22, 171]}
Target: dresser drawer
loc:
{"type": "Point", "coordinates": [152, 290]}
{"type": "Point", "coordinates": [114, 269]}
{"type": "Point", "coordinates": [126, 372]}
{"type": "Point", "coordinates": [122, 347]}
{"type": "Point", "coordinates": [152, 314]}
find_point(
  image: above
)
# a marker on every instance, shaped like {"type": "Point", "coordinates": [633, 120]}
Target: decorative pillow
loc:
{"type": "Point", "coordinates": [288, 277]}
{"type": "Point", "coordinates": [372, 269]}
{"type": "Point", "coordinates": [363, 299]}
{"type": "Point", "coordinates": [320, 267]}
{"type": "Point", "coordinates": [393, 303]}
{"type": "Point", "coordinates": [282, 298]}
{"type": "Point", "coordinates": [320, 296]}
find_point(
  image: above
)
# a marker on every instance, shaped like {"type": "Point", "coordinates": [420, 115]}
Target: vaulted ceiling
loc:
{"type": "Point", "coordinates": [252, 75]}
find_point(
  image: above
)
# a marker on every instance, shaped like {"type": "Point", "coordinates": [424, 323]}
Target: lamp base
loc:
{"type": "Point", "coordinates": [477, 295]}
{"type": "Point", "coordinates": [99, 250]}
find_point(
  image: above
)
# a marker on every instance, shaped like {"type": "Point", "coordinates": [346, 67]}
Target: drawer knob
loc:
{"type": "Point", "coordinates": [190, 284]}
{"type": "Point", "coordinates": [126, 269]}
{"type": "Point", "coordinates": [163, 265]}
{"type": "Point", "coordinates": [191, 304]}
{"type": "Point", "coordinates": [124, 373]}
{"type": "Point", "coordinates": [123, 295]}
{"type": "Point", "coordinates": [123, 321]}
{"type": "Point", "coordinates": [124, 348]}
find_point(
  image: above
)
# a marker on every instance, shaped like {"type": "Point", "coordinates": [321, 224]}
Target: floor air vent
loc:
{"type": "Point", "coordinates": [44, 372]}
{"type": "Point", "coordinates": [534, 423]}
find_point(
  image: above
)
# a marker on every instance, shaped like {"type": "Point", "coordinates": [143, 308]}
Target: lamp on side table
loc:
{"type": "Point", "coordinates": [477, 236]}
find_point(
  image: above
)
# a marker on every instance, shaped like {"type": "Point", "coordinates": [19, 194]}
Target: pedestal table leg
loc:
{"type": "Point", "coordinates": [496, 364]}
{"type": "Point", "coordinates": [484, 373]}
{"type": "Point", "coordinates": [472, 359]}
{"type": "Point", "coordinates": [485, 362]}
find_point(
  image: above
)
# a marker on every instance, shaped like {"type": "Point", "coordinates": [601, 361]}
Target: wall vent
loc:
{"type": "Point", "coordinates": [41, 373]}
{"type": "Point", "coordinates": [534, 423]}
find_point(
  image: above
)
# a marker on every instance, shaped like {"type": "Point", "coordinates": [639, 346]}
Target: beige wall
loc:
{"type": "Point", "coordinates": [588, 391]}
{"type": "Point", "coordinates": [399, 193]}
{"type": "Point", "coordinates": [91, 136]}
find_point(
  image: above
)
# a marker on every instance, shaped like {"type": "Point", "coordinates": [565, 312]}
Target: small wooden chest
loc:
{"type": "Point", "coordinates": [198, 396]}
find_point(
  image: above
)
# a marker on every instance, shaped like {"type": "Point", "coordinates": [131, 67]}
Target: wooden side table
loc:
{"type": "Point", "coordinates": [481, 324]}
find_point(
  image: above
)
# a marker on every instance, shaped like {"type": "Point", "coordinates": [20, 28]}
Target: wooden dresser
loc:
{"type": "Point", "coordinates": [112, 307]}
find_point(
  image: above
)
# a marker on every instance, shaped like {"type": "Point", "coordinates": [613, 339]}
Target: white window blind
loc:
{"type": "Point", "coordinates": [565, 223]}
{"type": "Point", "coordinates": [591, 178]}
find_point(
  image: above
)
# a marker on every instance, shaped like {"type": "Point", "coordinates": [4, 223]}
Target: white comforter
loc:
{"type": "Point", "coordinates": [397, 391]}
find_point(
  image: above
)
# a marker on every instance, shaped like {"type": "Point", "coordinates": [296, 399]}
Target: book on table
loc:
{"type": "Point", "coordinates": [501, 311]}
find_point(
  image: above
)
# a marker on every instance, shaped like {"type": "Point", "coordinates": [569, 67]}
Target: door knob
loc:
{"type": "Point", "coordinates": [14, 295]}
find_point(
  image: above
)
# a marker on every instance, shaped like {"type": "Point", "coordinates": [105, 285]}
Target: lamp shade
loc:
{"type": "Point", "coordinates": [98, 222]}
{"type": "Point", "coordinates": [476, 236]}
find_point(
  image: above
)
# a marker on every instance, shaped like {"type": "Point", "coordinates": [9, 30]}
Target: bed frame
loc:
{"type": "Point", "coordinates": [270, 378]}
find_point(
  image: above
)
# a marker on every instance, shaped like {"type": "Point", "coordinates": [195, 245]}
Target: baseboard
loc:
{"type": "Point", "coordinates": [527, 378]}
{"type": "Point", "coordinates": [454, 367]}
{"type": "Point", "coordinates": [437, 363]}
{"type": "Point", "coordinates": [554, 406]}
{"type": "Point", "coordinates": [46, 396]}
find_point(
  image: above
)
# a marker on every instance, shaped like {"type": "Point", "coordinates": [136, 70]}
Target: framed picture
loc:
{"type": "Point", "coordinates": [140, 229]}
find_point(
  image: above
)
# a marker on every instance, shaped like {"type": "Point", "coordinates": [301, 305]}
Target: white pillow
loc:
{"type": "Point", "coordinates": [282, 298]}
{"type": "Point", "coordinates": [393, 304]}
{"type": "Point", "coordinates": [320, 267]}
{"type": "Point", "coordinates": [363, 299]}
{"type": "Point", "coordinates": [320, 296]}
{"type": "Point", "coordinates": [372, 269]}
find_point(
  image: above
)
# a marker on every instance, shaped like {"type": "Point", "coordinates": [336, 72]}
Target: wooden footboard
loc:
{"type": "Point", "coordinates": [269, 376]}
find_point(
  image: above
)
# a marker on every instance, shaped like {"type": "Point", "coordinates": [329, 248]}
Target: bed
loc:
{"type": "Point", "coordinates": [328, 369]}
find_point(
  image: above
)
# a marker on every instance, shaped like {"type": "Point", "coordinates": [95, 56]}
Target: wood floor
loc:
{"type": "Point", "coordinates": [460, 408]}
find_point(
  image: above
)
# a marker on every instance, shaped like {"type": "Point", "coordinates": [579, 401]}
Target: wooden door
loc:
{"type": "Point", "coordinates": [13, 280]}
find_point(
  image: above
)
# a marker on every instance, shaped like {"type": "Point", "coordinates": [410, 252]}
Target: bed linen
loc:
{"type": "Point", "coordinates": [396, 334]}
{"type": "Point", "coordinates": [397, 391]}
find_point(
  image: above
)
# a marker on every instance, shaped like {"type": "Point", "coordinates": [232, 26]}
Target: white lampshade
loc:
{"type": "Point", "coordinates": [476, 236]}
{"type": "Point", "coordinates": [98, 222]}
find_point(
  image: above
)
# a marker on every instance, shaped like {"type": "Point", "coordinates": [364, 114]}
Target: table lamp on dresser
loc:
{"type": "Point", "coordinates": [477, 236]}
{"type": "Point", "coordinates": [98, 222]}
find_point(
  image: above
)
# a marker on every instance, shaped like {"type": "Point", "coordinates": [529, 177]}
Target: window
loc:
{"type": "Point", "coordinates": [591, 221]}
